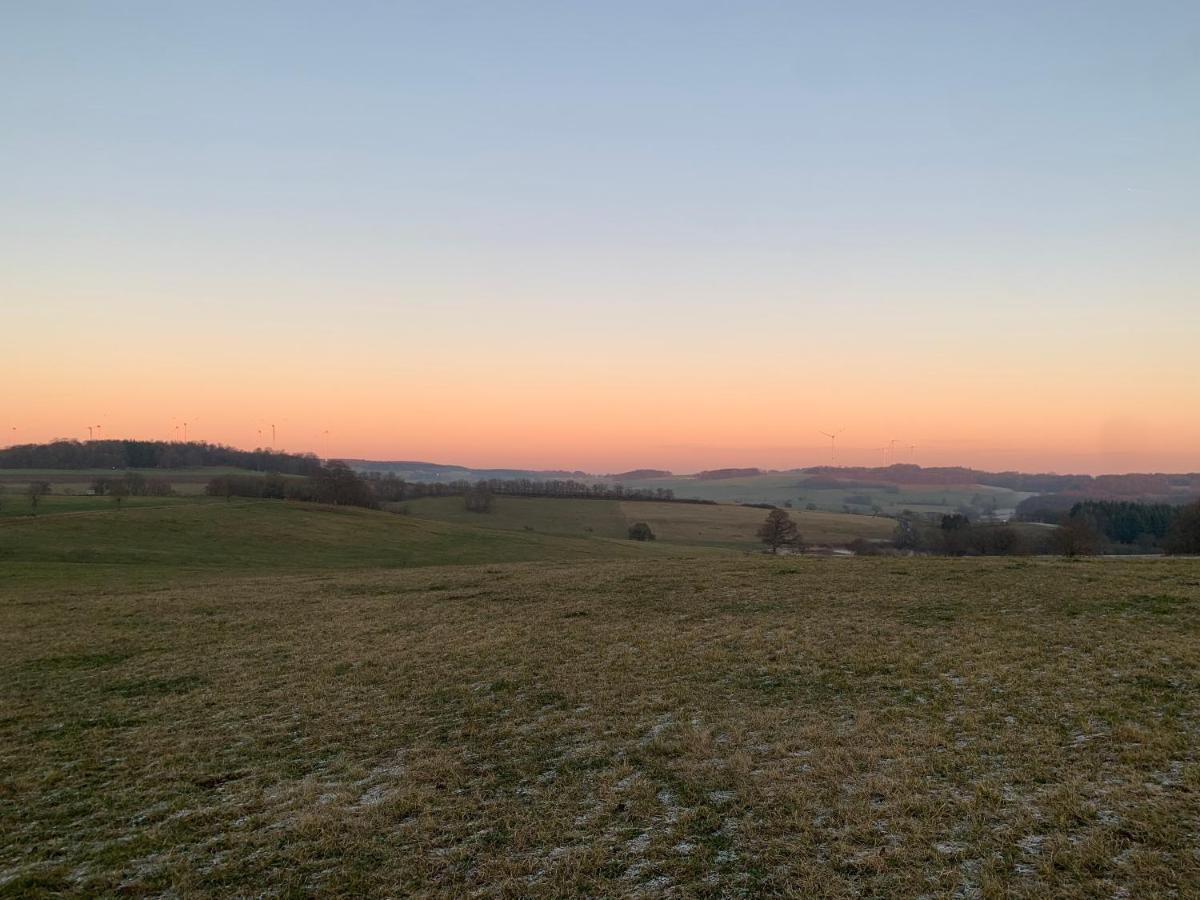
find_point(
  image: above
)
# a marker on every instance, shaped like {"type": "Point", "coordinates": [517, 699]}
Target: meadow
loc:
{"type": "Point", "coordinates": [257, 697]}
{"type": "Point", "coordinates": [792, 487]}
{"type": "Point", "coordinates": [716, 525]}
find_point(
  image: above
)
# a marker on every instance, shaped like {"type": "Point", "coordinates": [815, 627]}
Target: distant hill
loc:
{"type": "Point", "coordinates": [131, 454]}
{"type": "Point", "coordinates": [433, 473]}
{"type": "Point", "coordinates": [635, 474]}
{"type": "Point", "coordinates": [1132, 484]}
{"type": "Point", "coordinates": [717, 474]}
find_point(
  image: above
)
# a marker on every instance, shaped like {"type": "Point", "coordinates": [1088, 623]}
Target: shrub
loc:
{"type": "Point", "coordinates": [640, 532]}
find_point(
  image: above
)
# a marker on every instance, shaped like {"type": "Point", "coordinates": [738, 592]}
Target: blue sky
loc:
{"type": "Point", "coordinates": [966, 177]}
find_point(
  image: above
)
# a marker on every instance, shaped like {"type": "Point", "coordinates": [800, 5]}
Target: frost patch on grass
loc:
{"type": "Point", "coordinates": [1032, 844]}
{"type": "Point", "coordinates": [671, 809]}
{"type": "Point", "coordinates": [371, 797]}
{"type": "Point", "coordinates": [655, 730]}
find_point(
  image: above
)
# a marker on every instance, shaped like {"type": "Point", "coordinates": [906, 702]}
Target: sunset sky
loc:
{"type": "Point", "coordinates": [607, 235]}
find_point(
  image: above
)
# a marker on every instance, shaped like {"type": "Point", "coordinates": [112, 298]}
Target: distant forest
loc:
{"type": "Point", "coordinates": [152, 455]}
{"type": "Point", "coordinates": [335, 482]}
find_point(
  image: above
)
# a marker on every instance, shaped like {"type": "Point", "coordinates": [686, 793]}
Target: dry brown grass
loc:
{"type": "Point", "coordinates": [723, 524]}
{"type": "Point", "coordinates": [801, 727]}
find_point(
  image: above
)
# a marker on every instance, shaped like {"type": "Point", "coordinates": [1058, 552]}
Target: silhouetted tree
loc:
{"type": "Point", "coordinates": [35, 492]}
{"type": "Point", "coordinates": [778, 530]}
{"type": "Point", "coordinates": [478, 498]}
{"type": "Point", "coordinates": [335, 482]}
{"type": "Point", "coordinates": [119, 491]}
{"type": "Point", "coordinates": [1076, 537]}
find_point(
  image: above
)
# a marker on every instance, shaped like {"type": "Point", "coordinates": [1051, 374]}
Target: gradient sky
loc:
{"type": "Point", "coordinates": [605, 235]}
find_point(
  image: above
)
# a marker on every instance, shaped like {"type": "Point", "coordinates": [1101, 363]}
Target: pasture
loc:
{"type": "Point", "coordinates": [716, 525]}
{"type": "Point", "coordinates": [68, 482]}
{"type": "Point", "coordinates": [785, 487]}
{"type": "Point", "coordinates": [210, 537]}
{"type": "Point", "coordinates": [725, 725]}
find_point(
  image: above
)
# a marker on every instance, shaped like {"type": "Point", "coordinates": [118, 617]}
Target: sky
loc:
{"type": "Point", "coordinates": [607, 235]}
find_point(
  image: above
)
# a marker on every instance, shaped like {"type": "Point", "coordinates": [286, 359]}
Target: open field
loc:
{"type": "Point", "coordinates": [18, 505]}
{"type": "Point", "coordinates": [78, 481]}
{"type": "Point", "coordinates": [779, 488]}
{"type": "Point", "coordinates": [723, 525]}
{"type": "Point", "coordinates": [209, 537]}
{"type": "Point", "coordinates": [726, 525]}
{"type": "Point", "coordinates": [723, 726]}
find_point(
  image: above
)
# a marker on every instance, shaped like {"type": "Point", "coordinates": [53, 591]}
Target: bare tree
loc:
{"type": "Point", "coordinates": [1076, 537]}
{"type": "Point", "coordinates": [478, 498]}
{"type": "Point", "coordinates": [779, 530]}
{"type": "Point", "coordinates": [35, 492]}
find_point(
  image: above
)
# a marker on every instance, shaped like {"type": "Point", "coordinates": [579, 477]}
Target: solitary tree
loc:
{"type": "Point", "coordinates": [640, 532]}
{"type": "Point", "coordinates": [1075, 537]}
{"type": "Point", "coordinates": [36, 491]}
{"type": "Point", "coordinates": [478, 498]}
{"type": "Point", "coordinates": [779, 530]}
{"type": "Point", "coordinates": [119, 491]}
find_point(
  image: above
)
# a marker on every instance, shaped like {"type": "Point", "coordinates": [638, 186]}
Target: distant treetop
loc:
{"type": "Point", "coordinates": [129, 454]}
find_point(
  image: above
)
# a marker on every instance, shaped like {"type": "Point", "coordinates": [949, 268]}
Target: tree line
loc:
{"type": "Point", "coordinates": [334, 483]}
{"type": "Point", "coordinates": [1089, 527]}
{"type": "Point", "coordinates": [337, 483]}
{"type": "Point", "coordinates": [131, 454]}
{"type": "Point", "coordinates": [389, 487]}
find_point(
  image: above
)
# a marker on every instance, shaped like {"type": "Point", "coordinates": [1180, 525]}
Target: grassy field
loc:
{"type": "Point", "coordinates": [210, 537]}
{"type": "Point", "coordinates": [722, 525]}
{"type": "Point", "coordinates": [78, 481]}
{"type": "Point", "coordinates": [791, 487]}
{"type": "Point", "coordinates": [724, 726]}
{"type": "Point", "coordinates": [18, 505]}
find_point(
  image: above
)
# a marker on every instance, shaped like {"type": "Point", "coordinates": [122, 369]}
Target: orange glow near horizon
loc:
{"type": "Point", "coordinates": [600, 238]}
{"type": "Point", "coordinates": [583, 405]}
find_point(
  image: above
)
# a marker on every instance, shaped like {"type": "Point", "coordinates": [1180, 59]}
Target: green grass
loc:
{"type": "Point", "coordinates": [78, 481]}
{"type": "Point", "coordinates": [719, 525]}
{"type": "Point", "coordinates": [781, 488]}
{"type": "Point", "coordinates": [724, 726]}
{"type": "Point", "coordinates": [565, 516]}
{"type": "Point", "coordinates": [19, 505]}
{"type": "Point", "coordinates": [216, 536]}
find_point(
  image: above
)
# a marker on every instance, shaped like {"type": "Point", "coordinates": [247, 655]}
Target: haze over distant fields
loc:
{"type": "Point", "coordinates": [608, 237]}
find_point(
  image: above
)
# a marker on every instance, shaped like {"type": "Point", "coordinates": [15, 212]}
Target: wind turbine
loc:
{"type": "Point", "coordinates": [89, 428]}
{"type": "Point", "coordinates": [832, 443]}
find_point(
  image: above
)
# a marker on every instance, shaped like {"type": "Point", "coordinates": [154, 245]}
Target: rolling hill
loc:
{"type": "Point", "coordinates": [718, 525]}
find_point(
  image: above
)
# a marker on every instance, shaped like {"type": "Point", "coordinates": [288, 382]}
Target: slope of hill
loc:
{"type": "Point", "coordinates": [439, 473]}
{"type": "Point", "coordinates": [270, 536]}
{"type": "Point", "coordinates": [720, 525]}
{"type": "Point", "coordinates": [801, 489]}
